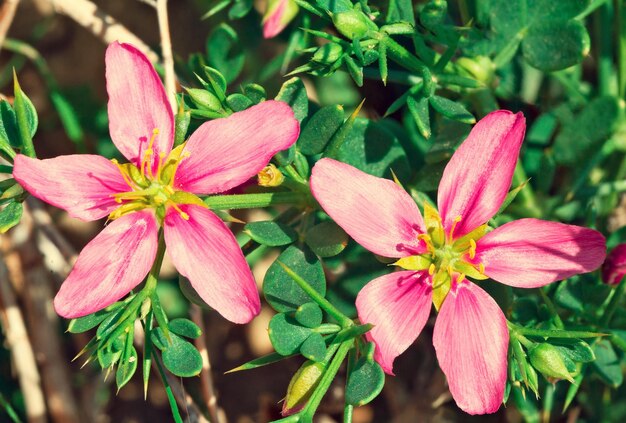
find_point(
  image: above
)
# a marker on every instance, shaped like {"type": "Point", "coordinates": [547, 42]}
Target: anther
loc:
{"type": "Point", "coordinates": [454, 223]}
{"type": "Point", "coordinates": [481, 268]}
{"type": "Point", "coordinates": [431, 269]}
{"type": "Point", "coordinates": [472, 249]}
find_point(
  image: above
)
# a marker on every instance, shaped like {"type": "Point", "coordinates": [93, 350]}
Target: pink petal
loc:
{"type": "Point", "coordinates": [376, 212]}
{"type": "Point", "coordinates": [81, 184]}
{"type": "Point", "coordinates": [478, 176]}
{"type": "Point", "coordinates": [398, 305]}
{"type": "Point", "coordinates": [471, 341]}
{"type": "Point", "coordinates": [224, 153]}
{"type": "Point", "coordinates": [273, 22]}
{"type": "Point", "coordinates": [205, 251]}
{"type": "Point", "coordinates": [137, 104]}
{"type": "Point", "coordinates": [112, 264]}
{"type": "Point", "coordinates": [614, 268]}
{"type": "Point", "coordinates": [528, 253]}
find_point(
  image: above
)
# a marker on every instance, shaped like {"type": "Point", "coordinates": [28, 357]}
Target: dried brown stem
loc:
{"type": "Point", "coordinates": [21, 349]}
{"type": "Point", "coordinates": [166, 51]}
{"type": "Point", "coordinates": [7, 13]}
{"type": "Point", "coordinates": [206, 379]}
{"type": "Point", "coordinates": [102, 25]}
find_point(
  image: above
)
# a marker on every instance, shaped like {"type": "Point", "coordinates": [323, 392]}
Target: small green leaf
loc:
{"type": "Point", "coordinates": [607, 364]}
{"type": "Point", "coordinates": [280, 291]}
{"type": "Point", "coordinates": [420, 112]}
{"type": "Point", "coordinates": [294, 93]}
{"type": "Point", "coordinates": [204, 99]}
{"type": "Point", "coordinates": [356, 71]}
{"type": "Point", "coordinates": [184, 327]}
{"type": "Point", "coordinates": [319, 129]}
{"type": "Point", "coordinates": [326, 239]}
{"type": "Point", "coordinates": [10, 216]}
{"type": "Point", "coordinates": [302, 385]}
{"type": "Point", "coordinates": [451, 109]}
{"type": "Point", "coordinates": [259, 362]}
{"type": "Point", "coordinates": [240, 9]}
{"type": "Point", "coordinates": [286, 334]}
{"type": "Point", "coordinates": [364, 382]}
{"type": "Point", "coordinates": [179, 356]}
{"type": "Point", "coordinates": [127, 365]}
{"type": "Point", "coordinates": [224, 52]}
{"type": "Point", "coordinates": [217, 82]}
{"type": "Point", "coordinates": [314, 347]}
{"type": "Point", "coordinates": [26, 118]}
{"type": "Point", "coordinates": [309, 315]}
{"type": "Point", "coordinates": [238, 102]}
{"type": "Point", "coordinates": [272, 234]}
{"type": "Point", "coordinates": [556, 44]}
{"type": "Point", "coordinates": [255, 92]}
{"type": "Point", "coordinates": [181, 124]}
{"type": "Point", "coordinates": [85, 323]}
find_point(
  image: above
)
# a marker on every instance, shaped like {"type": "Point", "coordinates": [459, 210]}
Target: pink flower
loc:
{"type": "Point", "coordinates": [277, 16]}
{"type": "Point", "coordinates": [158, 189]}
{"type": "Point", "coordinates": [614, 267]}
{"type": "Point", "coordinates": [438, 251]}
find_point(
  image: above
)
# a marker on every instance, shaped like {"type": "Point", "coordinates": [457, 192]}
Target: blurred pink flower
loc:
{"type": "Point", "coordinates": [156, 189]}
{"type": "Point", "coordinates": [438, 251]}
{"type": "Point", "coordinates": [614, 267]}
{"type": "Point", "coordinates": [277, 16]}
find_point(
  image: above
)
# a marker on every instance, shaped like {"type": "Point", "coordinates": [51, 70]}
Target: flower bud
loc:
{"type": "Point", "coordinates": [301, 387]}
{"type": "Point", "coordinates": [352, 23]}
{"type": "Point", "coordinates": [277, 16]}
{"type": "Point", "coordinates": [328, 53]}
{"type": "Point", "coordinates": [270, 176]}
{"type": "Point", "coordinates": [204, 99]}
{"type": "Point", "coordinates": [548, 360]}
{"type": "Point", "coordinates": [614, 267]}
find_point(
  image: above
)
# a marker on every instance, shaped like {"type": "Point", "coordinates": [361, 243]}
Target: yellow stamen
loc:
{"type": "Point", "coordinates": [460, 278]}
{"type": "Point", "coordinates": [125, 175]}
{"type": "Point", "coordinates": [175, 207]}
{"type": "Point", "coordinates": [472, 249]}
{"type": "Point", "coordinates": [148, 154]}
{"type": "Point", "coordinates": [429, 244]}
{"type": "Point", "coordinates": [431, 269]}
{"type": "Point", "coordinates": [450, 270]}
{"type": "Point", "coordinates": [454, 223]}
{"type": "Point", "coordinates": [158, 173]}
{"type": "Point", "coordinates": [481, 268]}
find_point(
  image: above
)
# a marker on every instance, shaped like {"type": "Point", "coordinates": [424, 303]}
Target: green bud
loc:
{"type": "Point", "coordinates": [548, 360]}
{"type": "Point", "coordinates": [301, 387]}
{"type": "Point", "coordinates": [433, 13]}
{"type": "Point", "coordinates": [480, 68]}
{"type": "Point", "coordinates": [353, 24]}
{"type": "Point", "coordinates": [328, 53]}
{"type": "Point", "coordinates": [204, 99]}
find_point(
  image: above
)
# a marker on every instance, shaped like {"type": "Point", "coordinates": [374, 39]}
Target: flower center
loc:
{"type": "Point", "coordinates": [151, 188]}
{"type": "Point", "coordinates": [448, 259]}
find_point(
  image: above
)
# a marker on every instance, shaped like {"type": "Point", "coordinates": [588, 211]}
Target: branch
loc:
{"type": "Point", "coordinates": [103, 26]}
{"type": "Point", "coordinates": [166, 50]}
{"type": "Point", "coordinates": [7, 13]}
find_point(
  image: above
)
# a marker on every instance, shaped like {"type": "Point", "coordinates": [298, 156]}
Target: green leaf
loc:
{"type": "Point", "coordinates": [179, 356]}
{"type": "Point", "coordinates": [26, 118]}
{"type": "Point", "coordinates": [314, 347]}
{"type": "Point", "coordinates": [279, 289]}
{"type": "Point", "coordinates": [355, 71]}
{"type": "Point", "coordinates": [255, 92]}
{"type": "Point", "coordinates": [309, 315]}
{"type": "Point", "coordinates": [127, 366]}
{"type": "Point", "coordinates": [204, 99]}
{"type": "Point", "coordinates": [259, 362]}
{"type": "Point", "coordinates": [302, 386]}
{"type": "Point", "coordinates": [10, 215]}
{"type": "Point", "coordinates": [238, 102]}
{"type": "Point", "coordinates": [576, 350]}
{"type": "Point", "coordinates": [217, 82]}
{"type": "Point", "coordinates": [326, 239]}
{"type": "Point", "coordinates": [286, 334]}
{"type": "Point", "coordinates": [224, 52]}
{"type": "Point", "coordinates": [85, 323]}
{"type": "Point", "coordinates": [400, 11]}
{"type": "Point", "coordinates": [319, 129]}
{"type": "Point", "coordinates": [420, 112]}
{"type": "Point", "coordinates": [9, 133]}
{"type": "Point", "coordinates": [240, 9]}
{"type": "Point", "coordinates": [294, 93]}
{"type": "Point", "coordinates": [607, 364]}
{"type": "Point", "coordinates": [584, 133]}
{"type": "Point", "coordinates": [272, 234]}
{"type": "Point", "coordinates": [184, 327]}
{"type": "Point", "coordinates": [365, 382]}
{"type": "Point", "coordinates": [181, 124]}
{"type": "Point", "coordinates": [451, 109]}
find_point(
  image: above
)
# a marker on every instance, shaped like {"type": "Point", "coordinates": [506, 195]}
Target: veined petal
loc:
{"type": "Point", "coordinates": [528, 253]}
{"type": "Point", "coordinates": [205, 251]}
{"type": "Point", "coordinates": [137, 105]}
{"type": "Point", "coordinates": [398, 305]}
{"type": "Point", "coordinates": [81, 184]}
{"type": "Point", "coordinates": [478, 176]}
{"type": "Point", "coordinates": [224, 153]}
{"type": "Point", "coordinates": [471, 341]}
{"type": "Point", "coordinates": [376, 212]}
{"type": "Point", "coordinates": [112, 264]}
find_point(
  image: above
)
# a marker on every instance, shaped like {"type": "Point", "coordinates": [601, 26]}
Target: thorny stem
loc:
{"type": "Point", "coordinates": [153, 276]}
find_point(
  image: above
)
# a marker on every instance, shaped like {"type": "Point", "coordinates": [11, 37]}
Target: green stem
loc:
{"type": "Point", "coordinates": [621, 49]}
{"type": "Point", "coordinates": [404, 58]}
{"type": "Point", "coordinates": [168, 391]}
{"type": "Point", "coordinates": [6, 169]}
{"type": "Point", "coordinates": [527, 195]}
{"type": "Point", "coordinates": [9, 410]}
{"type": "Point", "coordinates": [617, 297]}
{"type": "Point", "coordinates": [332, 369]}
{"type": "Point", "coordinates": [347, 413]}
{"type": "Point", "coordinates": [602, 21]}
{"type": "Point", "coordinates": [153, 276]}
{"type": "Point", "coordinates": [548, 403]}
{"type": "Point", "coordinates": [551, 333]}
{"type": "Point", "coordinates": [251, 201]}
{"type": "Point", "coordinates": [343, 320]}
{"type": "Point", "coordinates": [552, 309]}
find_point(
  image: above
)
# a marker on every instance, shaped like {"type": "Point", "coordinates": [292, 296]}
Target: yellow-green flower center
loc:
{"type": "Point", "coordinates": [153, 188]}
{"type": "Point", "coordinates": [448, 259]}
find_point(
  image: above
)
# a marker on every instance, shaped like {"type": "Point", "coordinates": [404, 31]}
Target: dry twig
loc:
{"type": "Point", "coordinates": [7, 13]}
